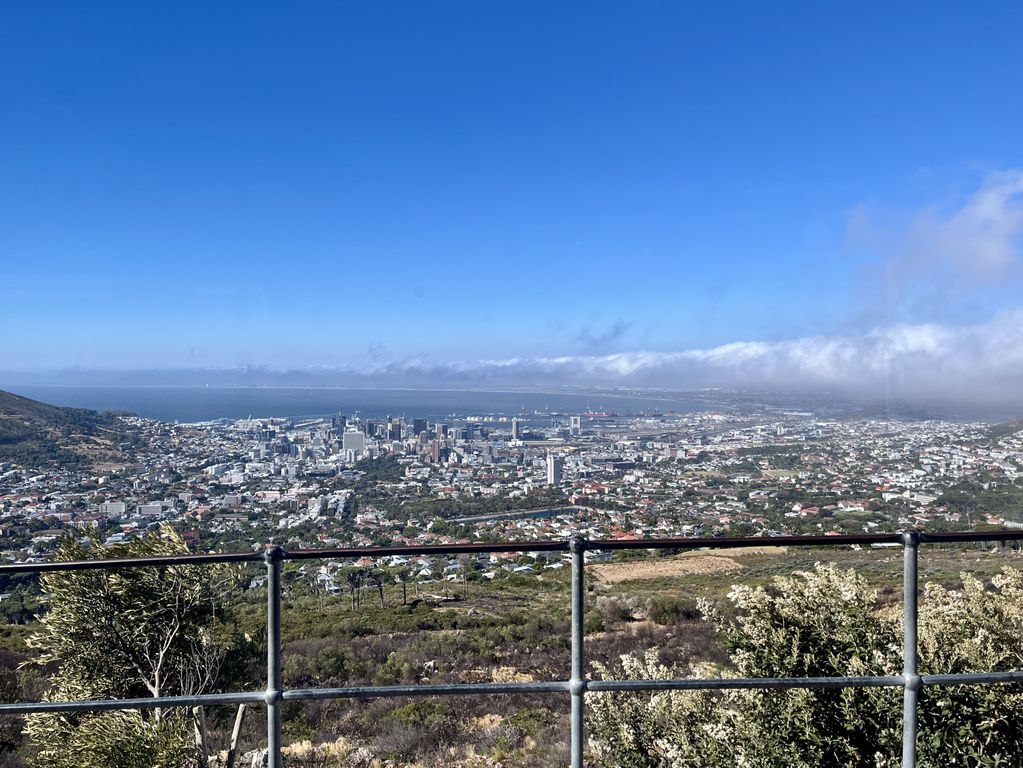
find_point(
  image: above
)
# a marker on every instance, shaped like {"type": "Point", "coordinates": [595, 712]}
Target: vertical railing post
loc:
{"type": "Point", "coordinates": [273, 557]}
{"type": "Point", "coordinates": [911, 690]}
{"type": "Point", "coordinates": [577, 685]}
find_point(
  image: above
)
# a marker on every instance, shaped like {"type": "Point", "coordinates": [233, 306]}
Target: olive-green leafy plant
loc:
{"type": "Point", "coordinates": [127, 633]}
{"type": "Point", "coordinates": [827, 623]}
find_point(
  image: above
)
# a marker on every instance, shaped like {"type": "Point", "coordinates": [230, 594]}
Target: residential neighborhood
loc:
{"type": "Point", "coordinates": [352, 481]}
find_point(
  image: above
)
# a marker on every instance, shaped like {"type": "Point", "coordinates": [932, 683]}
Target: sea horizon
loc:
{"type": "Point", "coordinates": [195, 403]}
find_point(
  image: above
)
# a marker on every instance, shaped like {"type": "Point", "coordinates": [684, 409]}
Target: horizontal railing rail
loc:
{"type": "Point", "coordinates": [576, 686]}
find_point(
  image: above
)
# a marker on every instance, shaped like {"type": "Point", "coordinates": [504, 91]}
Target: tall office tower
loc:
{"type": "Point", "coordinates": [435, 451]}
{"type": "Point", "coordinates": [353, 441]}
{"type": "Point", "coordinates": [418, 426]}
{"type": "Point", "coordinates": [554, 466]}
{"type": "Point", "coordinates": [441, 430]}
{"type": "Point", "coordinates": [394, 429]}
{"type": "Point", "coordinates": [576, 425]}
{"type": "Point", "coordinates": [516, 431]}
{"type": "Point", "coordinates": [370, 428]}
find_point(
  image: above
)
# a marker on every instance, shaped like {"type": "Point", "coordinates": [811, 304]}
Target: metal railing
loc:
{"type": "Point", "coordinates": [576, 686]}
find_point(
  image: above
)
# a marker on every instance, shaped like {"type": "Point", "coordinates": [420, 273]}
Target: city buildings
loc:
{"type": "Point", "coordinates": [555, 465]}
{"type": "Point", "coordinates": [247, 483]}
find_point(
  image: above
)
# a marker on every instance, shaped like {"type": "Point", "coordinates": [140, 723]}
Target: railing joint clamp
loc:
{"type": "Point", "coordinates": [273, 696]}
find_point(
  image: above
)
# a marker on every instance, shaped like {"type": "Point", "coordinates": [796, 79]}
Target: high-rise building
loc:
{"type": "Point", "coordinates": [555, 464]}
{"type": "Point", "coordinates": [353, 441]}
{"type": "Point", "coordinates": [418, 426]}
{"type": "Point", "coordinates": [576, 425]}
{"type": "Point", "coordinates": [516, 431]}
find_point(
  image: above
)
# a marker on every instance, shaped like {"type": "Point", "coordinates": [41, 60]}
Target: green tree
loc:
{"type": "Point", "coordinates": [354, 578]}
{"type": "Point", "coordinates": [376, 580]}
{"type": "Point", "coordinates": [828, 623]}
{"type": "Point", "coordinates": [127, 633]}
{"type": "Point", "coordinates": [403, 576]}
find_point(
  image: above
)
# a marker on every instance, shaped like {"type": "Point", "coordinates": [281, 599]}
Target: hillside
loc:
{"type": "Point", "coordinates": [1006, 428]}
{"type": "Point", "coordinates": [37, 434]}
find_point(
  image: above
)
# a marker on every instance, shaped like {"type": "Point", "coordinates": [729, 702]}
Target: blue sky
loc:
{"type": "Point", "coordinates": [362, 184]}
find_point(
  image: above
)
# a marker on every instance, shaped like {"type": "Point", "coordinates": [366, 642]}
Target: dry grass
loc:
{"type": "Point", "coordinates": [641, 570]}
{"type": "Point", "coordinates": [695, 562]}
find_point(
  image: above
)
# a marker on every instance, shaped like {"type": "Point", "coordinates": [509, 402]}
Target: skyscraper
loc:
{"type": "Point", "coordinates": [554, 466]}
{"type": "Point", "coordinates": [353, 441]}
{"type": "Point", "coordinates": [515, 430]}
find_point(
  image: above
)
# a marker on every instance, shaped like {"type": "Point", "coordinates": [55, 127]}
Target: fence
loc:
{"type": "Point", "coordinates": [577, 685]}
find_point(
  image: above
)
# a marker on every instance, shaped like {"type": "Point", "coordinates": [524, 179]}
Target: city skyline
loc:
{"type": "Point", "coordinates": [666, 196]}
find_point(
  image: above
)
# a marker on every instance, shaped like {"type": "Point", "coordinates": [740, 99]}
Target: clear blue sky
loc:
{"type": "Point", "coordinates": [330, 183]}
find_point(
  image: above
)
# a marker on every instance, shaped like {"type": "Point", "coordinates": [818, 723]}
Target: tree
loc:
{"type": "Point", "coordinates": [403, 576]}
{"type": "Point", "coordinates": [376, 579]}
{"type": "Point", "coordinates": [827, 623]}
{"type": "Point", "coordinates": [127, 633]}
{"type": "Point", "coordinates": [466, 563]}
{"type": "Point", "coordinates": [354, 579]}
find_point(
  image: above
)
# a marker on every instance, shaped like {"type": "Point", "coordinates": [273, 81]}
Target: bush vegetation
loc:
{"type": "Point", "coordinates": [828, 622]}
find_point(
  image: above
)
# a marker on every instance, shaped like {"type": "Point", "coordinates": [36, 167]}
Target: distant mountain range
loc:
{"type": "Point", "coordinates": [37, 434]}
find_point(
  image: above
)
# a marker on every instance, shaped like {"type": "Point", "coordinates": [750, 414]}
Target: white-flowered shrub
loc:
{"type": "Point", "coordinates": [827, 623]}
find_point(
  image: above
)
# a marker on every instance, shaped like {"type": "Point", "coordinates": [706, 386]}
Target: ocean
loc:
{"type": "Point", "coordinates": [190, 404]}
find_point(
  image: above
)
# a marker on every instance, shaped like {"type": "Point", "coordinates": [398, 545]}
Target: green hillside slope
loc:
{"type": "Point", "coordinates": [37, 434]}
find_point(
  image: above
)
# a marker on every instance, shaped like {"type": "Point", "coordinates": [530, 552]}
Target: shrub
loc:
{"type": "Point", "coordinates": [127, 633]}
{"type": "Point", "coordinates": [665, 610]}
{"type": "Point", "coordinates": [827, 623]}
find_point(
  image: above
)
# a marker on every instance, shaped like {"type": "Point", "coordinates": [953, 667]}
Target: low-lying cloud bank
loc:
{"type": "Point", "coordinates": [973, 364]}
{"type": "Point", "coordinates": [969, 363]}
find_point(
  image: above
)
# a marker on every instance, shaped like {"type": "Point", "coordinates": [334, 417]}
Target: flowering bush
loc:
{"type": "Point", "coordinates": [827, 623]}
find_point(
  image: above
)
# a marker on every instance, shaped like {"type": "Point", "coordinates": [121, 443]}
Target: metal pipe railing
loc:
{"type": "Point", "coordinates": [274, 694]}
{"type": "Point", "coordinates": [911, 680]}
{"type": "Point", "coordinates": [577, 685]}
{"type": "Point", "coordinates": [577, 682]}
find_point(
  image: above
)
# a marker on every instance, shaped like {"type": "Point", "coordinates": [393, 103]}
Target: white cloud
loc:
{"type": "Point", "coordinates": [967, 365]}
{"type": "Point", "coordinates": [982, 362]}
{"type": "Point", "coordinates": [942, 259]}
{"type": "Point", "coordinates": [978, 241]}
